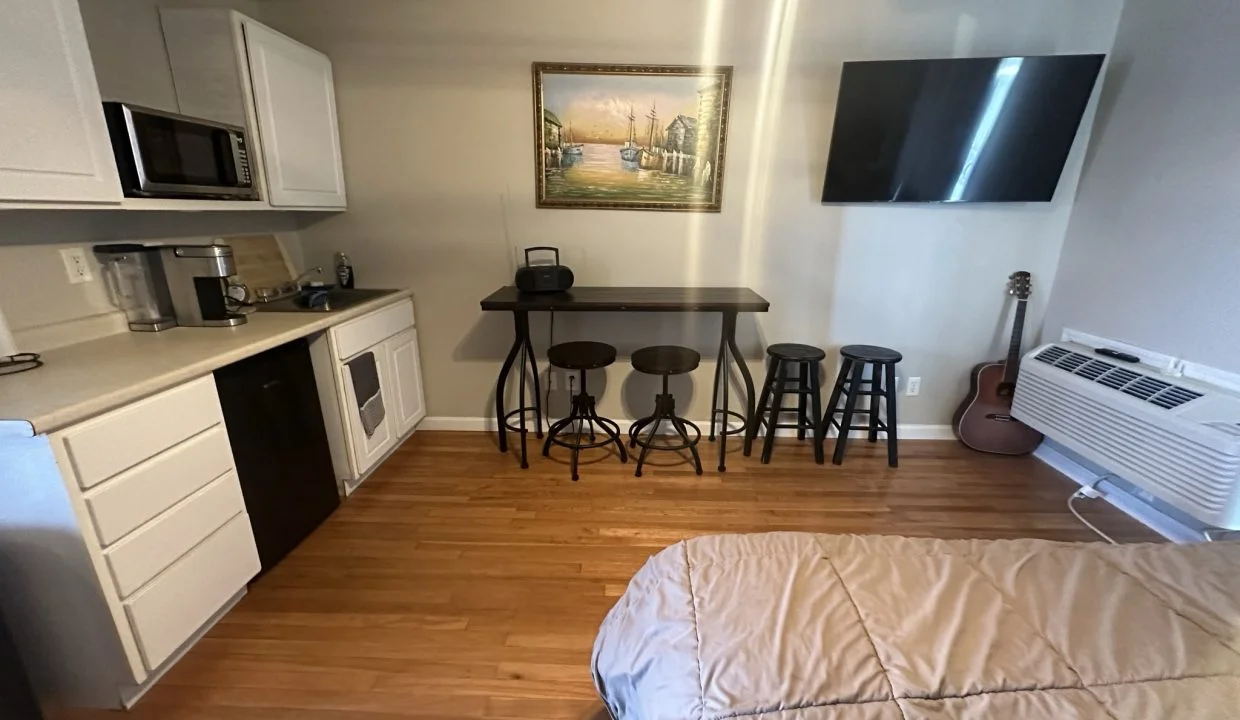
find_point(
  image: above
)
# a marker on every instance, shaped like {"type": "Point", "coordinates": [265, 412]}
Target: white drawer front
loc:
{"type": "Point", "coordinates": [357, 335]}
{"type": "Point", "coordinates": [146, 553]}
{"type": "Point", "coordinates": [147, 490]}
{"type": "Point", "coordinates": [173, 607]}
{"type": "Point", "coordinates": [106, 445]}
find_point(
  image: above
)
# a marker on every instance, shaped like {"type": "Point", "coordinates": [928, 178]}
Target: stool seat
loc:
{"type": "Point", "coordinates": [666, 360]}
{"type": "Point", "coordinates": [871, 354]}
{"type": "Point", "coordinates": [581, 355]}
{"type": "Point", "coordinates": [796, 352]}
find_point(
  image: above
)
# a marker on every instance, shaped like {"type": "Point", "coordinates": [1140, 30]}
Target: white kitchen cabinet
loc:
{"type": "Point", "coordinates": [54, 144]}
{"type": "Point", "coordinates": [390, 334]}
{"type": "Point", "coordinates": [295, 100]}
{"type": "Point", "coordinates": [126, 537]}
{"type": "Point", "coordinates": [408, 403]}
{"type": "Point", "coordinates": [231, 68]}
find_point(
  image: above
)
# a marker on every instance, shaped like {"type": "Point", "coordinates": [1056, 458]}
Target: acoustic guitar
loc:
{"type": "Point", "coordinates": [984, 420]}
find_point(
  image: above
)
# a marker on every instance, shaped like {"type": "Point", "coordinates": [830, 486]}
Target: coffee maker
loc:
{"type": "Point", "coordinates": [197, 280]}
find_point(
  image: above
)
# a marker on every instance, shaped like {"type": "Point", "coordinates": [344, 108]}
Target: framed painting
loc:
{"type": "Point", "coordinates": [631, 137]}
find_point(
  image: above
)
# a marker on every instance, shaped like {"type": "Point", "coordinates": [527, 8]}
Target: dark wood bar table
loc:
{"type": "Point", "coordinates": [727, 301]}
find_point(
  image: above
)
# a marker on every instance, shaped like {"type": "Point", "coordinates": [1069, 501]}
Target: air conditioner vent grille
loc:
{"type": "Point", "coordinates": [1118, 378]}
{"type": "Point", "coordinates": [1146, 387]}
{"type": "Point", "coordinates": [1052, 354]}
{"type": "Point", "coordinates": [1143, 387]}
{"type": "Point", "coordinates": [1174, 396]}
{"type": "Point", "coordinates": [1094, 369]}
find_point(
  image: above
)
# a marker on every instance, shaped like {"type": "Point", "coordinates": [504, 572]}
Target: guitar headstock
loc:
{"type": "Point", "coordinates": [1020, 284]}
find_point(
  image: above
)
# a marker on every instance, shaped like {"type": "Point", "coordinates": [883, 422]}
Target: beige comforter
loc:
{"type": "Point", "coordinates": [809, 627]}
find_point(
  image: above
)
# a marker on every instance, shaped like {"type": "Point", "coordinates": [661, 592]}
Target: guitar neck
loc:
{"type": "Point", "coordinates": [1012, 366]}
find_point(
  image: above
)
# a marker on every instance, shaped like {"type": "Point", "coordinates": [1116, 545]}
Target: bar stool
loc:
{"type": "Point", "coordinates": [805, 386]}
{"type": "Point", "coordinates": [583, 356]}
{"type": "Point", "coordinates": [882, 384]}
{"type": "Point", "coordinates": [665, 360]}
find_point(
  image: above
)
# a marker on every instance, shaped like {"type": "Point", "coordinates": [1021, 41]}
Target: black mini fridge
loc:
{"type": "Point", "coordinates": [279, 442]}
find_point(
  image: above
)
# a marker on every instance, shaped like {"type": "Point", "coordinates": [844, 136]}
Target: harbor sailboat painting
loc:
{"type": "Point", "coordinates": [631, 137]}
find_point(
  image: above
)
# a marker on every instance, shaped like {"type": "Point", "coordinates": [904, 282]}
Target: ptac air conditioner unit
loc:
{"type": "Point", "coordinates": [1177, 439]}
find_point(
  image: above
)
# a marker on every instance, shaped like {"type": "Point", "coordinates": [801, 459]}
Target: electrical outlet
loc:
{"type": "Point", "coordinates": [914, 387]}
{"type": "Point", "coordinates": [76, 266]}
{"type": "Point", "coordinates": [552, 383]}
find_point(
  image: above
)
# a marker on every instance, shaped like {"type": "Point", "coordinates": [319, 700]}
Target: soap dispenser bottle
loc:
{"type": "Point", "coordinates": [344, 271]}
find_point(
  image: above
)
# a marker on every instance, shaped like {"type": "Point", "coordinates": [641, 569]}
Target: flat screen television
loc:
{"type": "Point", "coordinates": [962, 130]}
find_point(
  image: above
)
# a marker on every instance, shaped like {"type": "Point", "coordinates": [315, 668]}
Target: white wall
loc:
{"type": "Point", "coordinates": [436, 121]}
{"type": "Point", "coordinates": [1152, 255]}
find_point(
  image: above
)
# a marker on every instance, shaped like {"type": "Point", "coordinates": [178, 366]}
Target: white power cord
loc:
{"type": "Point", "coordinates": [1089, 491]}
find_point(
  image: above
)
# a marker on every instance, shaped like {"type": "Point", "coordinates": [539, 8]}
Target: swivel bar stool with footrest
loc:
{"type": "Point", "coordinates": [665, 360]}
{"type": "Point", "coordinates": [583, 356]}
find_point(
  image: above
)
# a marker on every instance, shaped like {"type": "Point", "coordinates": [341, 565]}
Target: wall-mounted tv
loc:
{"type": "Point", "coordinates": [961, 130]}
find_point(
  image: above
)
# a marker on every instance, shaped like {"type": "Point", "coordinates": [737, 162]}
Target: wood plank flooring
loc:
{"type": "Point", "coordinates": [455, 585]}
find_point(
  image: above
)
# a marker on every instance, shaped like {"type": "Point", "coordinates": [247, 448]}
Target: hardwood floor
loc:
{"type": "Point", "coordinates": [454, 584]}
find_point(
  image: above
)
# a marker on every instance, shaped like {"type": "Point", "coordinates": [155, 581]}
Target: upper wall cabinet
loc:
{"type": "Point", "coordinates": [54, 143]}
{"type": "Point", "coordinates": [231, 68]}
{"type": "Point", "coordinates": [296, 104]}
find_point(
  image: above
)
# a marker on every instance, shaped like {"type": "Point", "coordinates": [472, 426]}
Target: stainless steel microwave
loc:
{"type": "Point", "coordinates": [163, 155]}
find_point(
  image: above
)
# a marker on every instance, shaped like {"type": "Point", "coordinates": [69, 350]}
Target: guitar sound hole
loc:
{"type": "Point", "coordinates": [1006, 390]}
{"type": "Point", "coordinates": [998, 417]}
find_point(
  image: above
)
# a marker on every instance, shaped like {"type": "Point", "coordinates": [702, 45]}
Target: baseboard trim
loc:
{"type": "Point", "coordinates": [479, 424]}
{"type": "Point", "coordinates": [1133, 507]}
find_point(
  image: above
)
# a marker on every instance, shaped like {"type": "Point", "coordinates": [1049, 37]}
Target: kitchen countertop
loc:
{"type": "Point", "coordinates": [80, 381]}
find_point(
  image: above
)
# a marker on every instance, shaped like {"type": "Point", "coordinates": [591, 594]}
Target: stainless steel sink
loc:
{"type": "Point", "coordinates": [323, 301]}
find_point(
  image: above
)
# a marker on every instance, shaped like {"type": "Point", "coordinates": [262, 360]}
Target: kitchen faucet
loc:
{"type": "Point", "coordinates": [287, 289]}
{"type": "Point", "coordinates": [316, 270]}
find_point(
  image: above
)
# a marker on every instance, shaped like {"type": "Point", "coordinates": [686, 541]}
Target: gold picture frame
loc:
{"type": "Point", "coordinates": [592, 151]}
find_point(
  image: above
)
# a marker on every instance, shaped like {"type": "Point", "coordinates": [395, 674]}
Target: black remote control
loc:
{"type": "Point", "coordinates": [1117, 355]}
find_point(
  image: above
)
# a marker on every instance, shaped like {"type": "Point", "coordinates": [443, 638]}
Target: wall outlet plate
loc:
{"type": "Point", "coordinates": [913, 387]}
{"type": "Point", "coordinates": [76, 266]}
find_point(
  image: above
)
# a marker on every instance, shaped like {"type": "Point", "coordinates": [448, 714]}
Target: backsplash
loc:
{"type": "Point", "coordinates": [44, 311]}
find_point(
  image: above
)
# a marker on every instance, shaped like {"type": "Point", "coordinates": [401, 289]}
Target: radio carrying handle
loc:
{"type": "Point", "coordinates": [529, 250]}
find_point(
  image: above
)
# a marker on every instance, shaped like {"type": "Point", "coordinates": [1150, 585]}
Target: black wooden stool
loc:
{"type": "Point", "coordinates": [804, 385]}
{"type": "Point", "coordinates": [583, 356]}
{"type": "Point", "coordinates": [665, 360]}
{"type": "Point", "coordinates": [882, 384]}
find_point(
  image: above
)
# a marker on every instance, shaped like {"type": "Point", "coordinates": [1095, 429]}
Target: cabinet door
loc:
{"type": "Point", "coordinates": [295, 101]}
{"type": "Point", "coordinates": [55, 142]}
{"type": "Point", "coordinates": [368, 449]}
{"type": "Point", "coordinates": [406, 381]}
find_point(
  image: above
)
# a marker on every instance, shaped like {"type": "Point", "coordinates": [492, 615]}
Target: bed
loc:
{"type": "Point", "coordinates": [796, 626]}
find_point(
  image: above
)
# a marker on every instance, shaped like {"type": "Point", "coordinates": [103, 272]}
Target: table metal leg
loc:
{"type": "Point", "coordinates": [501, 416]}
{"type": "Point", "coordinates": [729, 336]}
{"type": "Point", "coordinates": [720, 365]}
{"type": "Point", "coordinates": [523, 347]}
{"type": "Point", "coordinates": [529, 353]}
